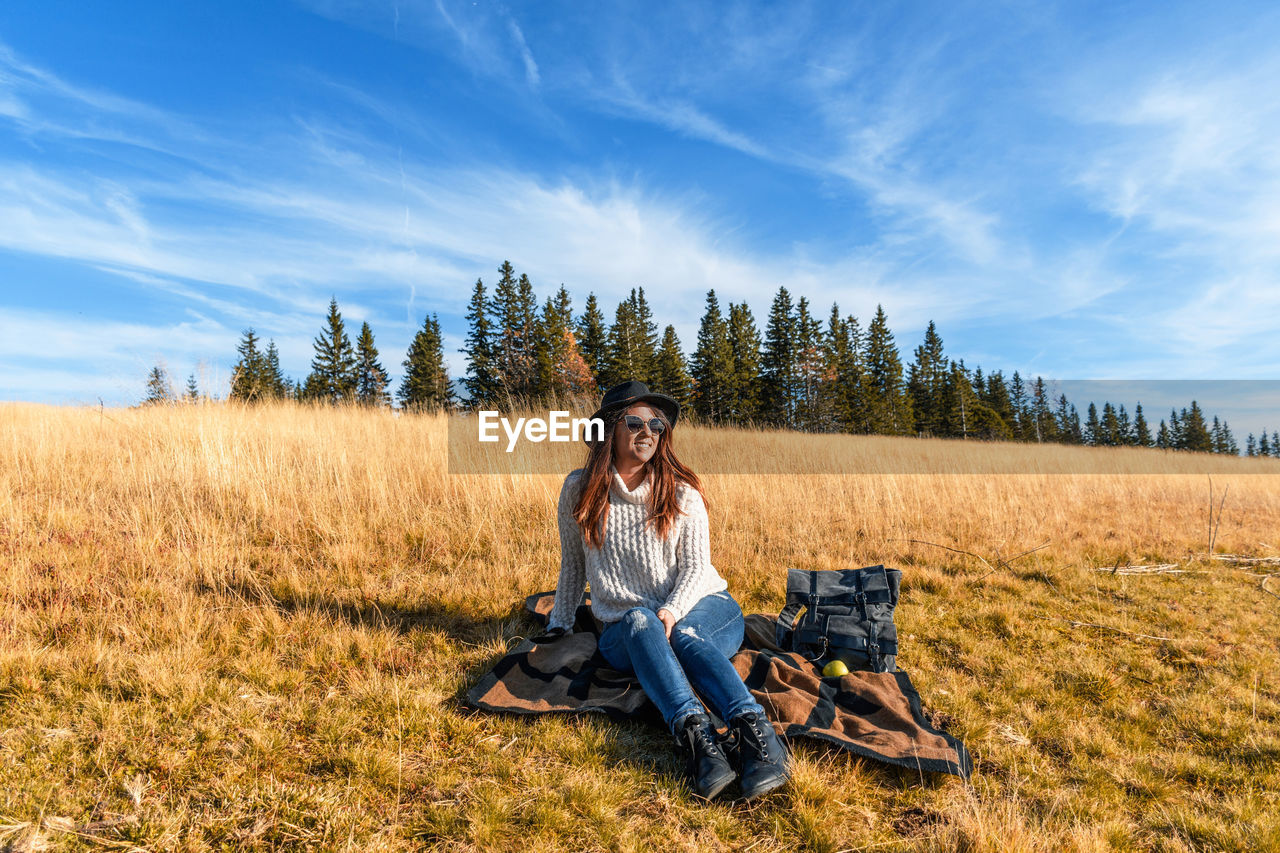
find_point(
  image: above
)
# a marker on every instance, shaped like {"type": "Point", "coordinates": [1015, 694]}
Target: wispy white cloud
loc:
{"type": "Point", "coordinates": [72, 111]}
{"type": "Point", "coordinates": [526, 55]}
{"type": "Point", "coordinates": [1186, 159]}
{"type": "Point", "coordinates": [673, 114]}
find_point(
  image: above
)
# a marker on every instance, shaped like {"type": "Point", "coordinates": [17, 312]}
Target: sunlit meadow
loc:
{"type": "Point", "coordinates": [250, 628]}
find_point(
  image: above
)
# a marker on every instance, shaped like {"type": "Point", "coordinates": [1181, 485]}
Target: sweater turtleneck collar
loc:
{"type": "Point", "coordinates": [641, 492]}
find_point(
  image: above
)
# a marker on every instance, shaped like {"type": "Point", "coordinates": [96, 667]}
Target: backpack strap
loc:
{"type": "Point", "coordinates": [797, 600]}
{"type": "Point", "coordinates": [842, 642]}
{"type": "Point", "coordinates": [875, 596]}
{"type": "Point", "coordinates": [873, 646]}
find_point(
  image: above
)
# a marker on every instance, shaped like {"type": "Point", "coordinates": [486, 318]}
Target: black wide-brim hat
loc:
{"type": "Point", "coordinates": [627, 393]}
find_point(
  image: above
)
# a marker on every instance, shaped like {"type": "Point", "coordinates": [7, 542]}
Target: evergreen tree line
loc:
{"type": "Point", "coordinates": [346, 374]}
{"type": "Point", "coordinates": [160, 388]}
{"type": "Point", "coordinates": [1263, 446]}
{"type": "Point", "coordinates": [799, 373]}
{"type": "Point", "coordinates": [340, 372]}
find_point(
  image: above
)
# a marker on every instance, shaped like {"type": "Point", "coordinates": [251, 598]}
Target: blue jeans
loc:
{"type": "Point", "coordinates": [696, 658]}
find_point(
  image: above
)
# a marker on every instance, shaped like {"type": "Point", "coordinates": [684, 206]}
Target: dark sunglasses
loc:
{"type": "Point", "coordinates": [656, 425]}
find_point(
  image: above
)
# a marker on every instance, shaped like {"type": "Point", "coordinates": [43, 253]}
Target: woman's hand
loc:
{"type": "Point", "coordinates": [668, 621]}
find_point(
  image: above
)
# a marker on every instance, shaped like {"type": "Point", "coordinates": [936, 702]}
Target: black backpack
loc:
{"type": "Point", "coordinates": [848, 614]}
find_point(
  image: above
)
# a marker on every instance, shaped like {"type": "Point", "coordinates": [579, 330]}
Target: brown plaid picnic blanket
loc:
{"type": "Point", "coordinates": [873, 714]}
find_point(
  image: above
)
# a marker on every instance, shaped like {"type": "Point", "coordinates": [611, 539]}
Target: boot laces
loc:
{"type": "Point", "coordinates": [695, 735]}
{"type": "Point", "coordinates": [756, 741]}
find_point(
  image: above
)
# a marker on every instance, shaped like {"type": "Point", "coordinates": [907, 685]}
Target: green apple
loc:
{"type": "Point", "coordinates": [835, 669]}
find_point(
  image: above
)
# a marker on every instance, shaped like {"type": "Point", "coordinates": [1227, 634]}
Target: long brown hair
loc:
{"type": "Point", "coordinates": [666, 471]}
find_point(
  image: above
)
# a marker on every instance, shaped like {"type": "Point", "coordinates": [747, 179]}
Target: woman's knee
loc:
{"type": "Point", "coordinates": [687, 637]}
{"type": "Point", "coordinates": [716, 618]}
{"type": "Point", "coordinates": [725, 637]}
{"type": "Point", "coordinates": [639, 619]}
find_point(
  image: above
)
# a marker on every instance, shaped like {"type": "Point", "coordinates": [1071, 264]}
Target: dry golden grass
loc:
{"type": "Point", "coordinates": [230, 628]}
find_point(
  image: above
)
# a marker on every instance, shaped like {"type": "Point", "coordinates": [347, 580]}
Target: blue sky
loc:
{"type": "Point", "coordinates": [1086, 190]}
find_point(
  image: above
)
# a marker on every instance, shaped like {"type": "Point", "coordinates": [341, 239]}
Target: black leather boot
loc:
{"type": "Point", "coordinates": [709, 767]}
{"type": "Point", "coordinates": [764, 759]}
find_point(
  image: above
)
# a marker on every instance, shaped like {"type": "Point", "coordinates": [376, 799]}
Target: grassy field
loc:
{"type": "Point", "coordinates": [228, 628]}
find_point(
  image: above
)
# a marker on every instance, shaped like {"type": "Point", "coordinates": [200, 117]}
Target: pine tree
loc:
{"type": "Point", "coordinates": [529, 314]}
{"type": "Point", "coordinates": [482, 382]}
{"type": "Point", "coordinates": [514, 311]}
{"type": "Point", "coordinates": [959, 415]}
{"type": "Point", "coordinates": [743, 401]}
{"type": "Point", "coordinates": [593, 337]}
{"type": "Point", "coordinates": [1175, 430]}
{"type": "Point", "coordinates": [890, 407]}
{"type": "Point", "coordinates": [333, 369]}
{"type": "Point", "coordinates": [842, 369]}
{"type": "Point", "coordinates": [619, 363]}
{"type": "Point", "coordinates": [1093, 427]}
{"type": "Point", "coordinates": [1141, 431]}
{"type": "Point", "coordinates": [1275, 443]}
{"type": "Point", "coordinates": [1068, 422]}
{"type": "Point", "coordinates": [778, 363]}
{"type": "Point", "coordinates": [1124, 429]}
{"type": "Point", "coordinates": [1164, 439]}
{"type": "Point", "coordinates": [193, 390]}
{"type": "Point", "coordinates": [159, 388]}
{"type": "Point", "coordinates": [274, 382]}
{"type": "Point", "coordinates": [1044, 427]}
{"type": "Point", "coordinates": [562, 372]}
{"type": "Point", "coordinates": [1229, 445]}
{"type": "Point", "coordinates": [997, 399]}
{"type": "Point", "coordinates": [549, 346]}
{"type": "Point", "coordinates": [1250, 446]}
{"type": "Point", "coordinates": [1264, 445]}
{"type": "Point", "coordinates": [926, 381]}
{"type": "Point", "coordinates": [248, 377]}
{"type": "Point", "coordinates": [1195, 433]}
{"type": "Point", "coordinates": [671, 375]}
{"type": "Point", "coordinates": [813, 411]}
{"type": "Point", "coordinates": [1021, 423]}
{"type": "Point", "coordinates": [1063, 418]}
{"type": "Point", "coordinates": [426, 386]}
{"type": "Point", "coordinates": [1110, 432]}
{"type": "Point", "coordinates": [957, 401]}
{"type": "Point", "coordinates": [967, 415]}
{"type": "Point", "coordinates": [856, 412]}
{"type": "Point", "coordinates": [712, 365]}
{"type": "Point", "coordinates": [371, 378]}
{"type": "Point", "coordinates": [648, 331]}
{"type": "Point", "coordinates": [632, 343]}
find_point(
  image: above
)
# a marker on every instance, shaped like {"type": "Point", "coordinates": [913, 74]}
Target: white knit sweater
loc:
{"type": "Point", "coordinates": [633, 568]}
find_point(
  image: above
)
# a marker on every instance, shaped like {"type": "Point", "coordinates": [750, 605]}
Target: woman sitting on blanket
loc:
{"type": "Point", "coordinates": [633, 523]}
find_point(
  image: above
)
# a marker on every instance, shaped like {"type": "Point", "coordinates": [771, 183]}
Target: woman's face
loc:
{"type": "Point", "coordinates": [630, 448]}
